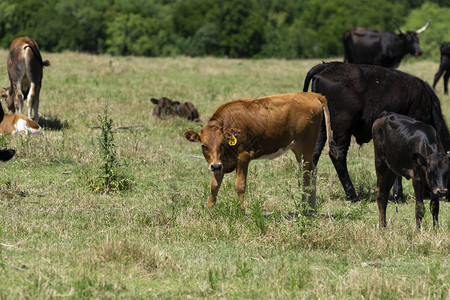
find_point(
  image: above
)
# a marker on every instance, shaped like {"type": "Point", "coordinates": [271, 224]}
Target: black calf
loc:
{"type": "Point", "coordinates": [409, 148]}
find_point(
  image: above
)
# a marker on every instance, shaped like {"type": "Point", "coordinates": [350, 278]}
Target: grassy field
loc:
{"type": "Point", "coordinates": [59, 239]}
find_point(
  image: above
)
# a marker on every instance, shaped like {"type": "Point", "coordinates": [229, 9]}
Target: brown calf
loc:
{"type": "Point", "coordinates": [262, 128]}
{"type": "Point", "coordinates": [167, 107]}
{"type": "Point", "coordinates": [19, 124]}
{"type": "Point", "coordinates": [25, 66]}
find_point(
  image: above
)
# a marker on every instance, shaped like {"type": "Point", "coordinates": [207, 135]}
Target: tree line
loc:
{"type": "Point", "coordinates": [232, 28]}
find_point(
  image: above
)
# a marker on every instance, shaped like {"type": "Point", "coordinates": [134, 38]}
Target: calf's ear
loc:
{"type": "Point", "coordinates": [419, 159]}
{"type": "Point", "coordinates": [154, 101]}
{"type": "Point", "coordinates": [192, 136]}
{"type": "Point", "coordinates": [175, 102]}
{"type": "Point", "coordinates": [5, 93]}
{"type": "Point", "coordinates": [232, 132]}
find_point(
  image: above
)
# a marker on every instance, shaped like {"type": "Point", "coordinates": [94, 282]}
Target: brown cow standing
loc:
{"type": "Point", "coordinates": [25, 70]}
{"type": "Point", "coordinates": [262, 128]}
{"type": "Point", "coordinates": [167, 107]}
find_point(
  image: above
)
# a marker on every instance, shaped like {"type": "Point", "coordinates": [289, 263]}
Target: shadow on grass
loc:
{"type": "Point", "coordinates": [52, 123]}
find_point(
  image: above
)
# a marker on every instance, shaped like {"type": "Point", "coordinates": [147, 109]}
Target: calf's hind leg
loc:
{"type": "Point", "coordinates": [385, 180]}
{"type": "Point", "coordinates": [33, 101]}
{"type": "Point", "coordinates": [304, 159]}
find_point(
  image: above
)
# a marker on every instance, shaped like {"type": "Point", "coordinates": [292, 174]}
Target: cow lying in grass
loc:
{"type": "Point", "coordinates": [262, 128]}
{"type": "Point", "coordinates": [167, 107]}
{"type": "Point", "coordinates": [19, 124]}
{"type": "Point", "coordinates": [409, 148]}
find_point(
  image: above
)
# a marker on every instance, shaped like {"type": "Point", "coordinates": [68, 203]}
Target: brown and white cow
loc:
{"type": "Point", "coordinates": [5, 154]}
{"type": "Point", "coordinates": [167, 107]}
{"type": "Point", "coordinates": [15, 124]}
{"type": "Point", "coordinates": [263, 128]}
{"type": "Point", "coordinates": [25, 70]}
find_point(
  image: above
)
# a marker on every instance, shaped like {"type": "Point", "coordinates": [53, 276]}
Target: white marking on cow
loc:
{"type": "Point", "coordinates": [22, 128]}
{"type": "Point", "coordinates": [278, 153]}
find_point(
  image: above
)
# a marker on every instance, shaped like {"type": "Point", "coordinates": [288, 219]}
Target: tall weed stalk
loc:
{"type": "Point", "coordinates": [110, 180]}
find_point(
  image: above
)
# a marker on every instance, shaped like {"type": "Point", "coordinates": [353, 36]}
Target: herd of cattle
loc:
{"type": "Point", "coordinates": [362, 97]}
{"type": "Point", "coordinates": [25, 70]}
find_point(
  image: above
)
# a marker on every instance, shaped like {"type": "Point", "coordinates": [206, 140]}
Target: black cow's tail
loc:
{"type": "Point", "coordinates": [437, 117]}
{"type": "Point", "coordinates": [314, 71]}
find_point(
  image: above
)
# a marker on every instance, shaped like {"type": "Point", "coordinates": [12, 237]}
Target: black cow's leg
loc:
{"type": "Point", "coordinates": [434, 207]}
{"type": "Point", "coordinates": [397, 191]}
{"type": "Point", "coordinates": [437, 76]}
{"type": "Point", "coordinates": [340, 164]}
{"type": "Point", "coordinates": [446, 76]}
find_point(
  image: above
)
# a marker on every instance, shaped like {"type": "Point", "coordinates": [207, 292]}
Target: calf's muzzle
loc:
{"type": "Point", "coordinates": [440, 192]}
{"type": "Point", "coordinates": [216, 167]}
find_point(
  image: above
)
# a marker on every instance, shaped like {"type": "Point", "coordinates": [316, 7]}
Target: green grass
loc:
{"type": "Point", "coordinates": [61, 240]}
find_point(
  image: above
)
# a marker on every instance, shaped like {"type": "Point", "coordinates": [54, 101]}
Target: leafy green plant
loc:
{"type": "Point", "coordinates": [110, 180]}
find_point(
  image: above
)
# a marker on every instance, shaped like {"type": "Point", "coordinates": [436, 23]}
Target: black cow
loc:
{"type": "Point", "coordinates": [411, 149]}
{"type": "Point", "coordinates": [444, 66]}
{"type": "Point", "coordinates": [357, 95]}
{"type": "Point", "coordinates": [383, 48]}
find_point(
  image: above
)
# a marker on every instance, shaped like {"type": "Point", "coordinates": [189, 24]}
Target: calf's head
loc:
{"type": "Point", "coordinates": [165, 106]}
{"type": "Point", "coordinates": [434, 169]}
{"type": "Point", "coordinates": [214, 141]}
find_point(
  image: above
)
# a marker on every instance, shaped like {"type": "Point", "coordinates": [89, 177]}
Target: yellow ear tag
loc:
{"type": "Point", "coordinates": [232, 141]}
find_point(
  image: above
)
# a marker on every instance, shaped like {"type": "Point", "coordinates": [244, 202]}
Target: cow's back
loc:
{"type": "Point", "coordinates": [358, 94]}
{"type": "Point", "coordinates": [280, 111]}
{"type": "Point", "coordinates": [270, 123]}
{"type": "Point", "coordinates": [188, 110]}
{"type": "Point", "coordinates": [24, 53]}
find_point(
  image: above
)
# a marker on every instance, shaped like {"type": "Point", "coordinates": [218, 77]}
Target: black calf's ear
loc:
{"type": "Point", "coordinates": [419, 159]}
{"type": "Point", "coordinates": [176, 102]}
{"type": "Point", "coordinates": [154, 101]}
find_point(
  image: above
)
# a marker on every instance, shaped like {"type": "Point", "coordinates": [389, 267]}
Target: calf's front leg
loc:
{"type": "Point", "coordinates": [420, 208]}
{"type": "Point", "coordinates": [434, 207]}
{"type": "Point", "coordinates": [241, 176]}
{"type": "Point", "coordinates": [216, 181]}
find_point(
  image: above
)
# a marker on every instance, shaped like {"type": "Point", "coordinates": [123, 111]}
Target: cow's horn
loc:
{"type": "Point", "coordinates": [423, 28]}
{"type": "Point", "coordinates": [398, 27]}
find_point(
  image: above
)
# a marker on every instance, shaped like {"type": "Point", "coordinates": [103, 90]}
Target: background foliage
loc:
{"type": "Point", "coordinates": [268, 28]}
